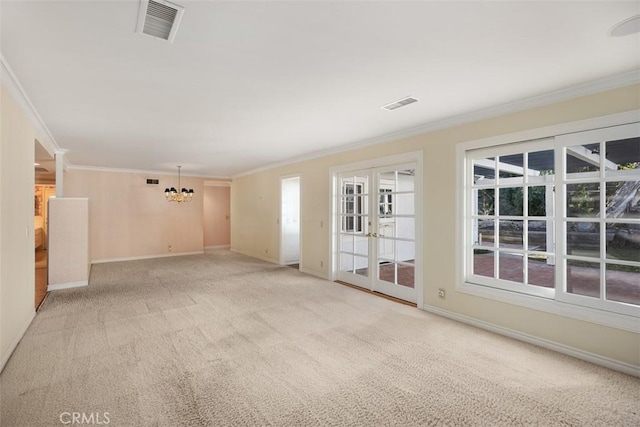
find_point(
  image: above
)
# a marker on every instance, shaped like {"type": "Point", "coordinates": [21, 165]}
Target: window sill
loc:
{"type": "Point", "coordinates": [600, 317]}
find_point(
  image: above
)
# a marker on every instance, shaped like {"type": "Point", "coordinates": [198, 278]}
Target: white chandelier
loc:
{"type": "Point", "coordinates": [173, 195]}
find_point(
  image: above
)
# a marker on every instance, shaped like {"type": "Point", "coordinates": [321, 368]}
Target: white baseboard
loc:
{"type": "Point", "coordinates": [68, 285]}
{"type": "Point", "coordinates": [135, 258]}
{"type": "Point", "coordinates": [263, 258]}
{"type": "Point", "coordinates": [276, 261]}
{"type": "Point", "coordinates": [7, 354]}
{"type": "Point", "coordinates": [596, 359]}
{"type": "Point", "coordinates": [313, 273]}
{"type": "Point", "coordinates": [206, 248]}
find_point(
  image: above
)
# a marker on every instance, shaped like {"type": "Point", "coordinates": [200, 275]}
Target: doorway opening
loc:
{"type": "Point", "coordinates": [290, 221]}
{"type": "Point", "coordinates": [45, 188]}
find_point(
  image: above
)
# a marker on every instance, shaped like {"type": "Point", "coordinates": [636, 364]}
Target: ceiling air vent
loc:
{"type": "Point", "coordinates": [159, 18]}
{"type": "Point", "coordinates": [400, 103]}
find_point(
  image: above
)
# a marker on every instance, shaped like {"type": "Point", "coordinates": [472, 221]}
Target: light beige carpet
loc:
{"type": "Point", "coordinates": [222, 339]}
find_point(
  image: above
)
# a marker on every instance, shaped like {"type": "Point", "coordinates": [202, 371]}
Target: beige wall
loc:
{"type": "Point", "coordinates": [68, 242]}
{"type": "Point", "coordinates": [17, 261]}
{"type": "Point", "coordinates": [255, 210]}
{"type": "Point", "coordinates": [217, 209]}
{"type": "Point", "coordinates": [129, 218]}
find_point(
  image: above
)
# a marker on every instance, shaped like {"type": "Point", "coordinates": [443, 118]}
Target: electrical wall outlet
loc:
{"type": "Point", "coordinates": [441, 293]}
{"type": "Point", "coordinates": [170, 248]}
{"type": "Point", "coordinates": [321, 263]}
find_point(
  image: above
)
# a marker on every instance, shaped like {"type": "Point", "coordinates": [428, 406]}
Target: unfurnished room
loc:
{"type": "Point", "coordinates": [314, 213]}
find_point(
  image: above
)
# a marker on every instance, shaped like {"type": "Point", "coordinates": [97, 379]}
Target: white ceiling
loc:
{"type": "Point", "coordinates": [251, 83]}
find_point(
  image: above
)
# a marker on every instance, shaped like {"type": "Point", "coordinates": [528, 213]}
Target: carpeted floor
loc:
{"type": "Point", "coordinates": [222, 339]}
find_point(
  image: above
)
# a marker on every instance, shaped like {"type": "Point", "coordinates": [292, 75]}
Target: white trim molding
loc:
{"type": "Point", "coordinates": [217, 183]}
{"type": "Point", "coordinates": [68, 285]}
{"type": "Point", "coordinates": [11, 83]}
{"type": "Point", "coordinates": [595, 86]}
{"type": "Point", "coordinates": [313, 273]}
{"type": "Point", "coordinates": [263, 258]}
{"type": "Point", "coordinates": [210, 248]}
{"type": "Point", "coordinates": [7, 355]}
{"type": "Point", "coordinates": [596, 359]}
{"type": "Point", "coordinates": [136, 258]}
{"type": "Point", "coordinates": [145, 171]}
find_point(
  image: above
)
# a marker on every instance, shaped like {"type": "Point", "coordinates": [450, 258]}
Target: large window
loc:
{"type": "Point", "coordinates": [558, 218]}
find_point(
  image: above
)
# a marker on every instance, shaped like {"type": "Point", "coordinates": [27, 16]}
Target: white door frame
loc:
{"type": "Point", "coordinates": [409, 157]}
{"type": "Point", "coordinates": [280, 254]}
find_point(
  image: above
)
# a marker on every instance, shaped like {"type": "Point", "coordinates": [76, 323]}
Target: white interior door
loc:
{"type": "Point", "coordinates": [354, 225]}
{"type": "Point", "coordinates": [377, 230]}
{"type": "Point", "coordinates": [290, 221]}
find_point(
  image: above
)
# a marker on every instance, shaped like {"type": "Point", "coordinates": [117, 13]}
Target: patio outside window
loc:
{"type": "Point", "coordinates": [558, 218]}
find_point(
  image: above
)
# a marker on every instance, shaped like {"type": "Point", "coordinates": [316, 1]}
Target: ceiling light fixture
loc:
{"type": "Point", "coordinates": [173, 195]}
{"type": "Point", "coordinates": [626, 27]}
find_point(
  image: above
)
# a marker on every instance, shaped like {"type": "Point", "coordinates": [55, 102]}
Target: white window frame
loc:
{"type": "Point", "coordinates": [562, 304]}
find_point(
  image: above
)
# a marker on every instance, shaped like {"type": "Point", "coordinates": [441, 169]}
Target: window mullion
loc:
{"type": "Point", "coordinates": [525, 218]}
{"type": "Point", "coordinates": [559, 221]}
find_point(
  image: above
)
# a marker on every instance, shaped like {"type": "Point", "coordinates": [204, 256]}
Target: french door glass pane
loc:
{"type": "Point", "coordinates": [387, 249]}
{"type": "Point", "coordinates": [387, 271]}
{"type": "Point", "coordinates": [346, 243]}
{"type": "Point", "coordinates": [406, 275]}
{"type": "Point", "coordinates": [361, 245]}
{"type": "Point", "coordinates": [361, 266]}
{"type": "Point", "coordinates": [406, 251]}
{"type": "Point", "coordinates": [406, 180]}
{"type": "Point", "coordinates": [346, 262]}
{"type": "Point", "coordinates": [405, 228]}
{"type": "Point", "coordinates": [404, 204]}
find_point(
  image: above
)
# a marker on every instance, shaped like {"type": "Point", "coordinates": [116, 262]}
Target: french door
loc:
{"type": "Point", "coordinates": [376, 229]}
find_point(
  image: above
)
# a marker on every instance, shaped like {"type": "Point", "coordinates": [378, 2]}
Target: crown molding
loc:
{"type": "Point", "coordinates": [217, 183]}
{"type": "Point", "coordinates": [144, 171]}
{"type": "Point", "coordinates": [584, 89]}
{"type": "Point", "coordinates": [11, 83]}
